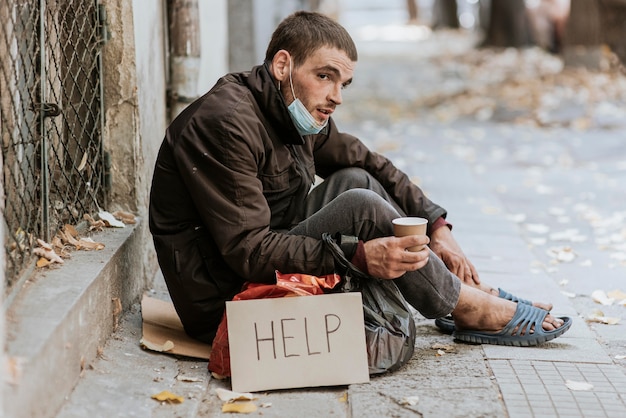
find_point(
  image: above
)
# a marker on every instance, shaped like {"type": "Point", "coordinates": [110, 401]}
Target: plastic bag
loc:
{"type": "Point", "coordinates": [286, 285]}
{"type": "Point", "coordinates": [389, 324]}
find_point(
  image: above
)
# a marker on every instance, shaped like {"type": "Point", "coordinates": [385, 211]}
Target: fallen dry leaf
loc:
{"type": "Point", "coordinates": [598, 316]}
{"type": "Point", "coordinates": [168, 397]}
{"type": "Point", "coordinates": [127, 218]}
{"type": "Point", "coordinates": [617, 294]}
{"type": "Point", "coordinates": [161, 348]}
{"type": "Point", "coordinates": [538, 228]}
{"type": "Point", "coordinates": [239, 407]}
{"type": "Point", "coordinates": [70, 229]}
{"type": "Point", "coordinates": [67, 238]}
{"type": "Point", "coordinates": [89, 244]}
{"type": "Point", "coordinates": [98, 225]}
{"type": "Point", "coordinates": [57, 244]}
{"type": "Point", "coordinates": [110, 220]}
{"type": "Point", "coordinates": [409, 400]}
{"type": "Point", "coordinates": [599, 296]}
{"type": "Point", "coordinates": [46, 251]}
{"type": "Point", "coordinates": [444, 347]}
{"type": "Point", "coordinates": [81, 243]}
{"type": "Point", "coordinates": [578, 386]}
{"type": "Point", "coordinates": [230, 396]}
{"type": "Point", "coordinates": [562, 254]}
{"type": "Point", "coordinates": [43, 262]}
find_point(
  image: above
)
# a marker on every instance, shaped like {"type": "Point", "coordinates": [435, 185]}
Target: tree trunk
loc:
{"type": "Point", "coordinates": [445, 14]}
{"type": "Point", "coordinates": [508, 24]}
{"type": "Point", "coordinates": [583, 35]}
{"type": "Point", "coordinates": [412, 9]}
{"type": "Point", "coordinates": [612, 22]}
{"type": "Point", "coordinates": [583, 25]}
{"type": "Point", "coordinates": [484, 11]}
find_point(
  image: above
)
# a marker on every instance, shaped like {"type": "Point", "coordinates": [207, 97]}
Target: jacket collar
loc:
{"type": "Point", "coordinates": [263, 87]}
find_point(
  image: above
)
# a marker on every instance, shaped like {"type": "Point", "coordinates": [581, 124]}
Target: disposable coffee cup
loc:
{"type": "Point", "coordinates": [410, 225]}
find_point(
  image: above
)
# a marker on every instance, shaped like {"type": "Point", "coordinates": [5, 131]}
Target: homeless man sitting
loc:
{"type": "Point", "coordinates": [232, 199]}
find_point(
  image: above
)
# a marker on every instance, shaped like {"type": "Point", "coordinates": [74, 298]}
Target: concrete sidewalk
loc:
{"type": "Point", "coordinates": [538, 210]}
{"type": "Point", "coordinates": [469, 381]}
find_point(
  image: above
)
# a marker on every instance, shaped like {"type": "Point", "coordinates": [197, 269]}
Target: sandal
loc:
{"type": "Point", "coordinates": [506, 295]}
{"type": "Point", "coordinates": [526, 317]}
{"type": "Point", "coordinates": [446, 324]}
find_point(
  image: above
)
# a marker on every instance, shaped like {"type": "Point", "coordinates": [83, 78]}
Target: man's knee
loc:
{"type": "Point", "coordinates": [368, 204]}
{"type": "Point", "coordinates": [355, 178]}
{"type": "Point", "coordinates": [363, 196]}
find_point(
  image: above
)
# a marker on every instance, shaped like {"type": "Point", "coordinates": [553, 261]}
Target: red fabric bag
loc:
{"type": "Point", "coordinates": [287, 285]}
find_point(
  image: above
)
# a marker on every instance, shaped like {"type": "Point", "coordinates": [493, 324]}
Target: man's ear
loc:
{"type": "Point", "coordinates": [280, 65]}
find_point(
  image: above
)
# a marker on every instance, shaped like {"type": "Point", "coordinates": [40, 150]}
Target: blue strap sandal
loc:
{"type": "Point", "coordinates": [517, 332]}
{"type": "Point", "coordinates": [506, 295]}
{"type": "Point", "coordinates": [446, 324]}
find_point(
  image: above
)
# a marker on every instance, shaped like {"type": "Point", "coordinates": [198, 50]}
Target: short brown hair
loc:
{"type": "Point", "coordinates": [302, 33]}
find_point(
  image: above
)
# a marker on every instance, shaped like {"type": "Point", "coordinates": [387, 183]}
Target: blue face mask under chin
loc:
{"type": "Point", "coordinates": [302, 118]}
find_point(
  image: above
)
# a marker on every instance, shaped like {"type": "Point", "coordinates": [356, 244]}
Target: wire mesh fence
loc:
{"type": "Point", "coordinates": [50, 120]}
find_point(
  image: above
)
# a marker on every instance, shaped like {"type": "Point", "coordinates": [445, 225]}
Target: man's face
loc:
{"type": "Point", "coordinates": [319, 80]}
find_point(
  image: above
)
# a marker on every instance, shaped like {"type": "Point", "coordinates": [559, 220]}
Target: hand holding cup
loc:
{"type": "Point", "coordinates": [410, 225]}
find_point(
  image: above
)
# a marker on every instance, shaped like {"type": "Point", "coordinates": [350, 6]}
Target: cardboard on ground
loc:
{"type": "Point", "coordinates": [161, 324]}
{"type": "Point", "coordinates": [291, 342]}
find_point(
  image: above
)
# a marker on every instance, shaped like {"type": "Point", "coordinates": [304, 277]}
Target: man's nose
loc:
{"type": "Point", "coordinates": [335, 94]}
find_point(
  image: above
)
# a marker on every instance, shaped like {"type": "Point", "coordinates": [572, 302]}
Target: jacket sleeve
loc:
{"type": "Point", "coordinates": [222, 177]}
{"type": "Point", "coordinates": [340, 150]}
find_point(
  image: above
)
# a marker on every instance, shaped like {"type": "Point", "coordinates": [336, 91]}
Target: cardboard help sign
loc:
{"type": "Point", "coordinates": [296, 342]}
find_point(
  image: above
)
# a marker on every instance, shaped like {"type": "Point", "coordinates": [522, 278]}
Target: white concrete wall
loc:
{"type": "Point", "coordinates": [150, 31]}
{"type": "Point", "coordinates": [214, 43]}
{"type": "Point", "coordinates": [150, 34]}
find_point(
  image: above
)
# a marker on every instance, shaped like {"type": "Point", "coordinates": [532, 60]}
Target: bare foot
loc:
{"type": "Point", "coordinates": [495, 292]}
{"type": "Point", "coordinates": [482, 311]}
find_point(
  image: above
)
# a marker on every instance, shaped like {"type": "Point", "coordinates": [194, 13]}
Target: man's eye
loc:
{"type": "Point", "coordinates": [323, 76]}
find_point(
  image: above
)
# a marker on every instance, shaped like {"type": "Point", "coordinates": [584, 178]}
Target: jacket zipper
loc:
{"type": "Point", "coordinates": [299, 165]}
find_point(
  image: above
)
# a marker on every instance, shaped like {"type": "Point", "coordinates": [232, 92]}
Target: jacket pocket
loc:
{"type": "Point", "coordinates": [184, 267]}
{"type": "Point", "coordinates": [276, 182]}
{"type": "Point", "coordinates": [224, 278]}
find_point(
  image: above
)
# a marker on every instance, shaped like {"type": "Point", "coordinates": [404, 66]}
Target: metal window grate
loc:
{"type": "Point", "coordinates": [50, 120]}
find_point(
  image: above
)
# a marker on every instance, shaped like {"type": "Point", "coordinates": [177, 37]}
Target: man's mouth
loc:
{"type": "Point", "coordinates": [325, 113]}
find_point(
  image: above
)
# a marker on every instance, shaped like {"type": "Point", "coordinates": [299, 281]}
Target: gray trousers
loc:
{"type": "Point", "coordinates": [353, 203]}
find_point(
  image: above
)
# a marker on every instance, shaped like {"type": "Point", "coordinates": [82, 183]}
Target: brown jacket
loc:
{"type": "Point", "coordinates": [231, 174]}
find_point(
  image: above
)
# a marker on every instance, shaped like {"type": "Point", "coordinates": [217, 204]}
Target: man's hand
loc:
{"type": "Point", "coordinates": [387, 257]}
{"type": "Point", "coordinates": [445, 246]}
